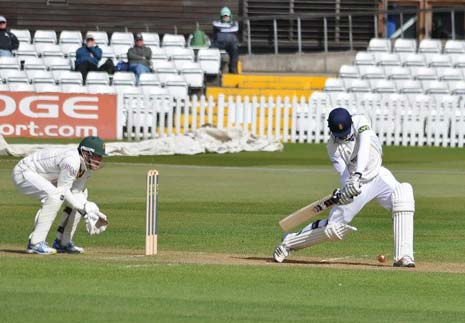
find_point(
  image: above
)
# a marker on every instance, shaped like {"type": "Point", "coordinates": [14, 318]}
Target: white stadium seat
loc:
{"type": "Point", "coordinates": [383, 86]}
{"type": "Point", "coordinates": [97, 78]}
{"type": "Point", "coordinates": [34, 63]}
{"type": "Point", "coordinates": [23, 35]}
{"type": "Point", "coordinates": [9, 63]}
{"type": "Point", "coordinates": [210, 60]}
{"type": "Point", "coordinates": [457, 88]}
{"type": "Point", "coordinates": [364, 58]}
{"type": "Point", "coordinates": [359, 86]}
{"type": "Point", "coordinates": [334, 85]}
{"type": "Point", "coordinates": [127, 89]}
{"type": "Point", "coordinates": [458, 61]}
{"type": "Point", "coordinates": [107, 52]}
{"type": "Point", "coordinates": [348, 72]}
{"type": "Point", "coordinates": [379, 45]}
{"type": "Point", "coordinates": [425, 73]}
{"type": "Point", "coordinates": [57, 63]}
{"type": "Point", "coordinates": [45, 36]}
{"type": "Point", "coordinates": [454, 47]}
{"type": "Point", "coordinates": [120, 50]}
{"type": "Point", "coordinates": [100, 37]}
{"type": "Point", "coordinates": [124, 78]}
{"type": "Point", "coordinates": [47, 87]}
{"type": "Point", "coordinates": [450, 74]}
{"type": "Point", "coordinates": [122, 38]}
{"type": "Point", "coordinates": [154, 90]}
{"type": "Point", "coordinates": [21, 87]}
{"type": "Point", "coordinates": [435, 87]}
{"type": "Point", "coordinates": [403, 45]}
{"type": "Point", "coordinates": [164, 70]}
{"type": "Point", "coordinates": [70, 37]}
{"type": "Point", "coordinates": [413, 60]}
{"type": "Point", "coordinates": [151, 39]}
{"type": "Point", "coordinates": [26, 49]}
{"type": "Point", "coordinates": [69, 77]}
{"type": "Point", "coordinates": [49, 50]}
{"type": "Point", "coordinates": [170, 40]}
{"type": "Point", "coordinates": [180, 56]}
{"type": "Point", "coordinates": [439, 60]}
{"type": "Point", "coordinates": [430, 46]}
{"type": "Point", "coordinates": [69, 50]}
{"type": "Point", "coordinates": [176, 85]}
{"type": "Point", "coordinates": [14, 76]}
{"type": "Point", "coordinates": [158, 54]}
{"type": "Point", "coordinates": [193, 74]}
{"type": "Point", "coordinates": [149, 79]}
{"type": "Point", "coordinates": [409, 86]}
{"type": "Point", "coordinates": [372, 73]}
{"type": "Point", "coordinates": [73, 88]}
{"type": "Point", "coordinates": [398, 73]}
{"type": "Point", "coordinates": [37, 76]}
{"type": "Point", "coordinates": [388, 59]}
{"type": "Point", "coordinates": [100, 89]}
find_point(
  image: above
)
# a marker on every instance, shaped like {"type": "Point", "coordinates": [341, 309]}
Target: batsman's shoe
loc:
{"type": "Point", "coordinates": [280, 253]}
{"type": "Point", "coordinates": [69, 248]}
{"type": "Point", "coordinates": [40, 248]}
{"type": "Point", "coordinates": [405, 262]}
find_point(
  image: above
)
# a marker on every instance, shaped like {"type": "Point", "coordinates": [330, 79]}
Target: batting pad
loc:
{"type": "Point", "coordinates": [331, 232]}
{"type": "Point", "coordinates": [403, 209]}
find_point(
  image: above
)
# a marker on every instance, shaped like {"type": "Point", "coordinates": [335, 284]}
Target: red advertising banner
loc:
{"type": "Point", "coordinates": [57, 115]}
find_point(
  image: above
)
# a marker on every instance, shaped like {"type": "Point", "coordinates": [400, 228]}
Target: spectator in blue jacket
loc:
{"type": "Point", "coordinates": [225, 37]}
{"type": "Point", "coordinates": [88, 57]}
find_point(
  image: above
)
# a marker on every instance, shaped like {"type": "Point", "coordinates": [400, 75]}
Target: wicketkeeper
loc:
{"type": "Point", "coordinates": [57, 176]}
{"type": "Point", "coordinates": [356, 154]}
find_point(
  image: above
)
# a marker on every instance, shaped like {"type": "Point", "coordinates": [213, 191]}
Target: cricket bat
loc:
{"type": "Point", "coordinates": [309, 211]}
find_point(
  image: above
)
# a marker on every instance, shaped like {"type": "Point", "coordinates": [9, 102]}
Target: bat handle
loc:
{"type": "Point", "coordinates": [336, 196]}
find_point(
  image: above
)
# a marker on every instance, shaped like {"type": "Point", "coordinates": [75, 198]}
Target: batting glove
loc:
{"type": "Point", "coordinates": [353, 186]}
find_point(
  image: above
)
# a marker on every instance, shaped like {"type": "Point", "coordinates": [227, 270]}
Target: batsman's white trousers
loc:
{"type": "Point", "coordinates": [380, 188]}
{"type": "Point", "coordinates": [34, 185]}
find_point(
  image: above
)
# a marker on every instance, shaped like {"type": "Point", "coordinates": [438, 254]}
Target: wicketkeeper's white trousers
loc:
{"type": "Point", "coordinates": [34, 185]}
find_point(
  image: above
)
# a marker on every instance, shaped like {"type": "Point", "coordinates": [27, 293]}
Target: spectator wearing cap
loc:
{"type": "Point", "coordinates": [88, 57]}
{"type": "Point", "coordinates": [8, 40]}
{"type": "Point", "coordinates": [139, 57]}
{"type": "Point", "coordinates": [225, 37]}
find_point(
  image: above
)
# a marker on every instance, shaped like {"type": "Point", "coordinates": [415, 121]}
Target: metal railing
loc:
{"type": "Point", "coordinates": [344, 39]}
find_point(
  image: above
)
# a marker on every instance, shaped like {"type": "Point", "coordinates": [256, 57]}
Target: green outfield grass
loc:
{"type": "Point", "coordinates": [218, 227]}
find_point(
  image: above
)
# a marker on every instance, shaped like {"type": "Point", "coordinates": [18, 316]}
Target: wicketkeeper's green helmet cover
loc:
{"type": "Point", "coordinates": [93, 144]}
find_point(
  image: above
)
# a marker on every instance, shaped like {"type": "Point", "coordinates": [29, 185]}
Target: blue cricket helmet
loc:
{"type": "Point", "coordinates": [340, 122]}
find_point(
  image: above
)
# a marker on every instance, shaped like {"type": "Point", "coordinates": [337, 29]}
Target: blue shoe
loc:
{"type": "Point", "coordinates": [69, 248]}
{"type": "Point", "coordinates": [40, 248]}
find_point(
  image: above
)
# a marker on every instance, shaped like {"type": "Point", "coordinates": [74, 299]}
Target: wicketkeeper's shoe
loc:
{"type": "Point", "coordinates": [40, 248]}
{"type": "Point", "coordinates": [405, 262]}
{"type": "Point", "coordinates": [69, 248]}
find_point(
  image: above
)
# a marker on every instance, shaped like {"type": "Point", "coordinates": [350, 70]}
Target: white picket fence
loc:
{"type": "Point", "coordinates": [397, 120]}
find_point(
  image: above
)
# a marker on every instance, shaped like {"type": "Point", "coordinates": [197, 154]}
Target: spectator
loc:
{"type": "Point", "coordinates": [88, 57]}
{"type": "Point", "coordinates": [8, 41]}
{"type": "Point", "coordinates": [139, 57]}
{"type": "Point", "coordinates": [225, 37]}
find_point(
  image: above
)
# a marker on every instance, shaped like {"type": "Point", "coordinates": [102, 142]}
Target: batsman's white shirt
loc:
{"type": "Point", "coordinates": [361, 153]}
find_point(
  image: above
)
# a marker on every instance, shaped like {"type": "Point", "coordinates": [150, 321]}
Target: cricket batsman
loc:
{"type": "Point", "coordinates": [55, 176]}
{"type": "Point", "coordinates": [356, 154]}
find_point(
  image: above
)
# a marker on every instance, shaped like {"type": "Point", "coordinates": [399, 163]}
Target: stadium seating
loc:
{"type": "Point", "coordinates": [44, 62]}
{"type": "Point", "coordinates": [427, 72]}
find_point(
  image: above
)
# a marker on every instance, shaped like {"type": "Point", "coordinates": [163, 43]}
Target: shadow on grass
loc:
{"type": "Point", "coordinates": [16, 251]}
{"type": "Point", "coordinates": [314, 262]}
